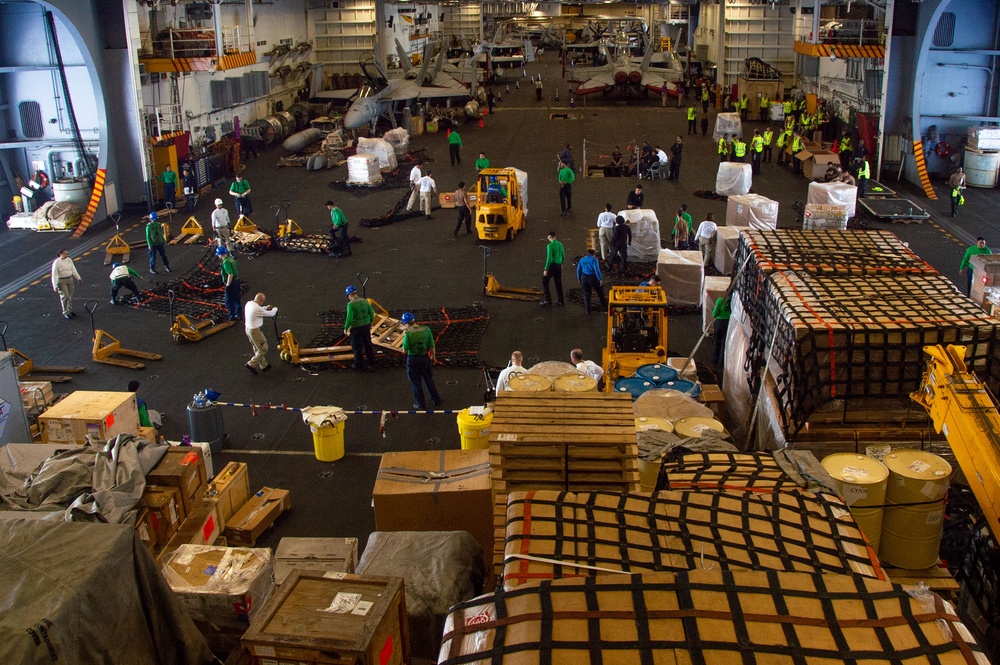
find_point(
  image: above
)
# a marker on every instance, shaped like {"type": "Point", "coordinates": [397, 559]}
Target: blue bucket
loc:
{"type": "Point", "coordinates": [656, 373]}
{"type": "Point", "coordinates": [688, 387]}
{"type": "Point", "coordinates": [634, 386]}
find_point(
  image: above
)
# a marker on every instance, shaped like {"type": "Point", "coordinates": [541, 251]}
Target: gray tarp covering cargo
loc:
{"type": "Point", "coordinates": [87, 593]}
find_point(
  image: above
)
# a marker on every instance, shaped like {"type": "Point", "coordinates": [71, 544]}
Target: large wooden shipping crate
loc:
{"type": "Point", "coordinates": [551, 535]}
{"type": "Point", "coordinates": [87, 412]}
{"type": "Point", "coordinates": [708, 616]}
{"type": "Point", "coordinates": [334, 619]}
{"type": "Point", "coordinates": [560, 441]}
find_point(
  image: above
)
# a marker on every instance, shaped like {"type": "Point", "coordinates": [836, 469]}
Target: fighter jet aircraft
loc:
{"type": "Point", "coordinates": [384, 96]}
{"type": "Point", "coordinates": [625, 76]}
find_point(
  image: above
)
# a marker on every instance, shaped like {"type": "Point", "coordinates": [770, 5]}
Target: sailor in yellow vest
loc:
{"type": "Point", "coordinates": [846, 151]}
{"type": "Point", "coordinates": [756, 151]}
{"type": "Point", "coordinates": [796, 149]}
{"type": "Point", "coordinates": [742, 104]}
{"type": "Point", "coordinates": [739, 149]}
{"type": "Point", "coordinates": [864, 172]}
{"type": "Point", "coordinates": [724, 148]}
{"type": "Point", "coordinates": [768, 137]}
{"type": "Point", "coordinates": [765, 107]}
{"type": "Point", "coordinates": [704, 98]}
{"type": "Point", "coordinates": [692, 120]}
{"type": "Point", "coordinates": [783, 138]}
{"type": "Point", "coordinates": [786, 106]}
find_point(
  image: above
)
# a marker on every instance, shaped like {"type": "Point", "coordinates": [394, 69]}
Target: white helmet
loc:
{"type": "Point", "coordinates": [218, 202]}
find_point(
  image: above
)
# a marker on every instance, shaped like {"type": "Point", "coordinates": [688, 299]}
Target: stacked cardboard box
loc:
{"type": "Point", "coordinates": [257, 515]}
{"type": "Point", "coordinates": [84, 412]}
{"type": "Point", "coordinates": [753, 210]}
{"type": "Point", "coordinates": [681, 273]}
{"type": "Point", "coordinates": [231, 488]}
{"type": "Point", "coordinates": [727, 240]}
{"type": "Point", "coordinates": [181, 468]}
{"type": "Point", "coordinates": [165, 512]}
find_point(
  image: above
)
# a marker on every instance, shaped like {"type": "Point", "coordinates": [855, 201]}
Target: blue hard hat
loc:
{"type": "Point", "coordinates": [407, 317]}
{"type": "Point", "coordinates": [349, 290]}
{"type": "Point", "coordinates": [221, 251]}
{"type": "Point", "coordinates": [153, 217]}
{"type": "Point", "coordinates": [116, 265]}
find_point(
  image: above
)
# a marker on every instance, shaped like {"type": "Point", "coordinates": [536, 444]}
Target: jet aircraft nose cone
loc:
{"type": "Point", "coordinates": [356, 116]}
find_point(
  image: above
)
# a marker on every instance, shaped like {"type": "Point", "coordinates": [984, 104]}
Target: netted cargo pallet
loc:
{"type": "Point", "coordinates": [980, 573]}
{"type": "Point", "coordinates": [457, 336]}
{"type": "Point", "coordinates": [708, 616]}
{"type": "Point", "coordinates": [550, 535]}
{"type": "Point", "coordinates": [560, 441]}
{"type": "Point", "coordinates": [862, 338]}
{"type": "Point", "coordinates": [755, 472]}
{"type": "Point", "coordinates": [197, 294]}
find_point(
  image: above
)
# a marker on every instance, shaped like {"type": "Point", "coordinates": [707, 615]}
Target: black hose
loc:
{"type": "Point", "coordinates": [50, 28]}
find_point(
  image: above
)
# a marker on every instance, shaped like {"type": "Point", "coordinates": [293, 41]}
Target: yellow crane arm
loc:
{"type": "Point", "coordinates": [963, 410]}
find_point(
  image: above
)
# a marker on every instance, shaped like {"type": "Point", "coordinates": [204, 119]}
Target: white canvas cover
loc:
{"type": "Point", "coordinates": [753, 210]}
{"type": "Point", "coordinates": [727, 123]}
{"type": "Point", "coordinates": [733, 178]}
{"type": "Point", "coordinates": [645, 227]}
{"type": "Point", "coordinates": [834, 193]}
{"type": "Point", "coordinates": [380, 148]}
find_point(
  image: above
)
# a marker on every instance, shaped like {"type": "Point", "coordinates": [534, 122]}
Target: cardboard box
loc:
{"type": "Point", "coordinates": [752, 210]}
{"type": "Point", "coordinates": [435, 489]}
{"type": "Point", "coordinates": [714, 288]}
{"type": "Point", "coordinates": [103, 414]}
{"type": "Point", "coordinates": [222, 586]}
{"type": "Point", "coordinates": [231, 488]}
{"type": "Point", "coordinates": [36, 394]}
{"type": "Point", "coordinates": [985, 274]}
{"type": "Point", "coordinates": [815, 162]}
{"type": "Point", "coordinates": [681, 273]}
{"type": "Point", "coordinates": [166, 511]}
{"type": "Point", "coordinates": [181, 468]}
{"type": "Point", "coordinates": [984, 138]}
{"type": "Point", "coordinates": [727, 240]}
{"type": "Point", "coordinates": [144, 530]}
{"type": "Point", "coordinates": [312, 618]}
{"type": "Point", "coordinates": [334, 555]}
{"type": "Point", "coordinates": [257, 515]}
{"type": "Point", "coordinates": [149, 433]}
{"type": "Point", "coordinates": [203, 526]}
{"type": "Point", "coordinates": [206, 454]}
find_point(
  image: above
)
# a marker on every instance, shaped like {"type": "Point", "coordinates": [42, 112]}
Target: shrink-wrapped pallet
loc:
{"type": "Point", "coordinates": [380, 148]}
{"type": "Point", "coordinates": [837, 193]}
{"type": "Point", "coordinates": [713, 289]}
{"type": "Point", "coordinates": [727, 240]}
{"type": "Point", "coordinates": [709, 616]}
{"type": "Point", "coordinates": [645, 247]}
{"type": "Point", "coordinates": [681, 274]}
{"type": "Point", "coordinates": [753, 210]}
{"type": "Point", "coordinates": [733, 178]}
{"type": "Point", "coordinates": [825, 216]}
{"type": "Point", "coordinates": [363, 169]}
{"type": "Point", "coordinates": [984, 138]}
{"type": "Point", "coordinates": [399, 139]}
{"type": "Point", "coordinates": [727, 123]}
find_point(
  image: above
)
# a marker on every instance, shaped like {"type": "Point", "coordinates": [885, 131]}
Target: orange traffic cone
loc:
{"type": "Point", "coordinates": [486, 111]}
{"type": "Point", "coordinates": [480, 123]}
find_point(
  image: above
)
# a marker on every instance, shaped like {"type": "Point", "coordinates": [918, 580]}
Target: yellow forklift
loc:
{"type": "Point", "coordinates": [637, 331]}
{"type": "Point", "coordinates": [501, 199]}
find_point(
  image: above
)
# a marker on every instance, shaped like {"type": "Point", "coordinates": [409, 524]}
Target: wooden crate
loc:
{"type": "Point", "coordinates": [84, 412]}
{"type": "Point", "coordinates": [299, 625]}
{"type": "Point", "coordinates": [560, 441]}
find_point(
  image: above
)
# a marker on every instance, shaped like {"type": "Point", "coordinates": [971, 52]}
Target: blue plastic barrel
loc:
{"type": "Point", "coordinates": [634, 386]}
{"type": "Point", "coordinates": [656, 373]}
{"type": "Point", "coordinates": [689, 387]}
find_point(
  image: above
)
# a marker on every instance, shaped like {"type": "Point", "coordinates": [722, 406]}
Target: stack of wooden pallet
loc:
{"type": "Point", "coordinates": [560, 441]}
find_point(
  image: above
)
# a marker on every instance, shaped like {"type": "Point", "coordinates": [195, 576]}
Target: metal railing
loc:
{"type": "Point", "coordinates": [174, 43]}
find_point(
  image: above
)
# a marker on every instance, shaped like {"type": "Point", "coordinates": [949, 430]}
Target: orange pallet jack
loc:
{"type": "Point", "coordinates": [183, 329]}
{"type": "Point", "coordinates": [27, 370]}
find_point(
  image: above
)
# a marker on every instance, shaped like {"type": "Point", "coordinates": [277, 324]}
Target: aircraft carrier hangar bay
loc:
{"type": "Point", "coordinates": [128, 74]}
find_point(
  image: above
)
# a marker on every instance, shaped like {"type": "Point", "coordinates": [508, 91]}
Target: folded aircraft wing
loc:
{"type": "Point", "coordinates": [597, 83]}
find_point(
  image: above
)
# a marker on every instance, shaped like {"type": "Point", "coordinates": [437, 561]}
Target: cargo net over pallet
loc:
{"type": "Point", "coordinates": [858, 339]}
{"type": "Point", "coordinates": [560, 441]}
{"type": "Point", "coordinates": [551, 535]}
{"type": "Point", "coordinates": [708, 616]}
{"type": "Point", "coordinates": [457, 335]}
{"type": "Point", "coordinates": [198, 293]}
{"type": "Point", "coordinates": [754, 472]}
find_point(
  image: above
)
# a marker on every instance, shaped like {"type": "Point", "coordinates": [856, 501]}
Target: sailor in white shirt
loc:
{"type": "Point", "coordinates": [515, 368]}
{"type": "Point", "coordinates": [220, 223]}
{"type": "Point", "coordinates": [706, 237]}
{"type": "Point", "coordinates": [428, 188]}
{"type": "Point", "coordinates": [606, 224]}
{"type": "Point", "coordinates": [253, 315]}
{"type": "Point", "coordinates": [63, 274]}
{"type": "Point", "coordinates": [415, 176]}
{"type": "Point", "coordinates": [661, 156]}
{"type": "Point", "coordinates": [588, 367]}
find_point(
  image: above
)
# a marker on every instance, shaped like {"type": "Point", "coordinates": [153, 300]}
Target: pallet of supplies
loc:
{"type": "Point", "coordinates": [727, 123]}
{"type": "Point", "coordinates": [825, 216]}
{"type": "Point", "coordinates": [985, 138]}
{"type": "Point", "coordinates": [181, 468]}
{"type": "Point", "coordinates": [708, 616]}
{"type": "Point", "coordinates": [257, 515]}
{"type": "Point", "coordinates": [324, 555]}
{"type": "Point", "coordinates": [87, 412]}
{"type": "Point", "coordinates": [363, 169]}
{"type": "Point", "coordinates": [334, 618]}
{"type": "Point", "coordinates": [727, 239]}
{"type": "Point", "coordinates": [681, 273]}
{"type": "Point", "coordinates": [834, 193]}
{"type": "Point", "coordinates": [733, 178]}
{"type": "Point", "coordinates": [380, 148]}
{"type": "Point", "coordinates": [645, 228]}
{"type": "Point", "coordinates": [753, 210]}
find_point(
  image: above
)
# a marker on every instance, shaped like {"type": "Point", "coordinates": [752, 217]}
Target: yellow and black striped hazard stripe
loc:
{"type": "Point", "coordinates": [925, 179]}
{"type": "Point", "coordinates": [237, 60]}
{"type": "Point", "coordinates": [95, 199]}
{"type": "Point", "coordinates": [840, 50]}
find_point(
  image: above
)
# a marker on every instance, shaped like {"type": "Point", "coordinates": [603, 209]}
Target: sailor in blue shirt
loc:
{"type": "Point", "coordinates": [588, 271]}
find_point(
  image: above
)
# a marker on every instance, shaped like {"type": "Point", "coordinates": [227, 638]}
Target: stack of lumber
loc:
{"type": "Point", "coordinates": [560, 441]}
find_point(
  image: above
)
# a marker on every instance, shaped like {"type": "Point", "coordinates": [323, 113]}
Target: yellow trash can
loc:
{"type": "Point", "coordinates": [474, 430]}
{"type": "Point", "coordinates": [328, 441]}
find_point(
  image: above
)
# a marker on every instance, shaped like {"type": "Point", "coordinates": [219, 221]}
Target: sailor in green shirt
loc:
{"type": "Point", "coordinates": [340, 242]}
{"type": "Point", "coordinates": [455, 147]}
{"type": "Point", "coordinates": [240, 189]}
{"type": "Point", "coordinates": [230, 274]}
{"type": "Point", "coordinates": [721, 313]}
{"type": "Point", "coordinates": [169, 180]}
{"type": "Point", "coordinates": [555, 254]}
{"type": "Point", "coordinates": [566, 178]}
{"type": "Point", "coordinates": [155, 242]}
{"type": "Point", "coordinates": [482, 162]}
{"type": "Point", "coordinates": [977, 249]}
{"type": "Point", "coordinates": [418, 344]}
{"type": "Point", "coordinates": [121, 275]}
{"type": "Point", "coordinates": [359, 326]}
{"type": "Point", "coordinates": [686, 216]}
